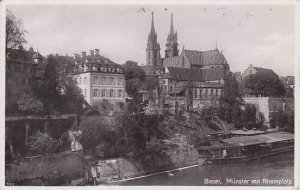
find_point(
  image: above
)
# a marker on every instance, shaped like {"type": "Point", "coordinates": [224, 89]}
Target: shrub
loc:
{"type": "Point", "coordinates": [41, 143]}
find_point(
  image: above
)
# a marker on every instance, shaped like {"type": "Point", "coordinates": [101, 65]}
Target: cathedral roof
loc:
{"type": "Point", "coordinates": [210, 57]}
{"type": "Point", "coordinates": [186, 74]}
{"type": "Point", "coordinates": [171, 61]}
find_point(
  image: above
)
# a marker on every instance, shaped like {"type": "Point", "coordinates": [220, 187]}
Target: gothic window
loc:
{"type": "Point", "coordinates": [85, 80]}
{"type": "Point", "coordinates": [182, 62]}
{"type": "Point", "coordinates": [195, 93]}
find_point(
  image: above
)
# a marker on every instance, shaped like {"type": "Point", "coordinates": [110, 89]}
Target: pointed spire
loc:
{"type": "Point", "coordinates": [152, 31]}
{"type": "Point", "coordinates": [171, 27]}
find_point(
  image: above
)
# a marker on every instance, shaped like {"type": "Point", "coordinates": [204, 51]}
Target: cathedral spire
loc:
{"type": "Point", "coordinates": [153, 48]}
{"type": "Point", "coordinates": [171, 27]}
{"type": "Point", "coordinates": [152, 31]}
{"type": "Point", "coordinates": [171, 46]}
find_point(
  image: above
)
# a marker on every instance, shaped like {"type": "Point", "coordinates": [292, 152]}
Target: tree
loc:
{"type": "Point", "coordinates": [95, 132]}
{"type": "Point", "coordinates": [231, 101]}
{"type": "Point", "coordinates": [248, 117]}
{"type": "Point", "coordinates": [47, 90]}
{"type": "Point", "coordinates": [30, 105]}
{"type": "Point", "coordinates": [134, 76]}
{"type": "Point", "coordinates": [71, 99]}
{"type": "Point", "coordinates": [15, 32]}
{"type": "Point", "coordinates": [57, 91]}
{"type": "Point", "coordinates": [151, 83]}
{"type": "Point", "coordinates": [266, 84]}
{"type": "Point", "coordinates": [133, 71]}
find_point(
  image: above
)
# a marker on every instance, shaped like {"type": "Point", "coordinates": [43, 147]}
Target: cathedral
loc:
{"type": "Point", "coordinates": [196, 74]}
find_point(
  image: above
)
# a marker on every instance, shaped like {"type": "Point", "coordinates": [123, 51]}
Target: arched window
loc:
{"type": "Point", "coordinates": [120, 93]}
{"type": "Point", "coordinates": [85, 80]}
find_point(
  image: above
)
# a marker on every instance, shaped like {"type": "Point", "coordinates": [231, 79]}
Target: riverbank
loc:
{"type": "Point", "coordinates": [277, 167]}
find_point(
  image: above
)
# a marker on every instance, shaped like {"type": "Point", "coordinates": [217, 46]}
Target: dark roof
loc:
{"type": "Point", "coordinates": [171, 61]}
{"type": "Point", "coordinates": [96, 58]}
{"type": "Point", "coordinates": [210, 57]}
{"type": "Point", "coordinates": [264, 70]}
{"type": "Point", "coordinates": [19, 55]}
{"type": "Point", "coordinates": [195, 74]}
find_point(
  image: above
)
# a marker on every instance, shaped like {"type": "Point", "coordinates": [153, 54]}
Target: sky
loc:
{"type": "Point", "coordinates": [261, 35]}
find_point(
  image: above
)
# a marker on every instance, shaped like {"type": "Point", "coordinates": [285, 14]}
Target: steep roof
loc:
{"type": "Point", "coordinates": [171, 61]}
{"type": "Point", "coordinates": [194, 74]}
{"type": "Point", "coordinates": [210, 57]}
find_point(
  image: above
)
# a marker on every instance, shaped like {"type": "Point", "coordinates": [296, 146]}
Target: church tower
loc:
{"type": "Point", "coordinates": [171, 45]}
{"type": "Point", "coordinates": [153, 48]}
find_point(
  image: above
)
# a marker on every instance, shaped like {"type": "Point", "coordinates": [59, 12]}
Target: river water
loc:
{"type": "Point", "coordinates": [269, 171]}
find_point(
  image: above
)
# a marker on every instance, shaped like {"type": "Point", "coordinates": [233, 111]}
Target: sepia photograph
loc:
{"type": "Point", "coordinates": [149, 94]}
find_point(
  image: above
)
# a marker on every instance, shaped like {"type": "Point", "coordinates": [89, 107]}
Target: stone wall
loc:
{"type": "Point", "coordinates": [122, 168]}
{"type": "Point", "coordinates": [261, 104]}
{"type": "Point", "coordinates": [53, 169]}
{"type": "Point", "coordinates": [268, 106]}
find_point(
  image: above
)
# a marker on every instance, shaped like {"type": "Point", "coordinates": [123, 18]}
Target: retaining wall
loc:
{"type": "Point", "coordinates": [54, 169]}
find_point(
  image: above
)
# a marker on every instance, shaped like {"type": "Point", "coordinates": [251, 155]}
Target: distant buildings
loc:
{"type": "Point", "coordinates": [100, 79]}
{"type": "Point", "coordinates": [21, 69]}
{"type": "Point", "coordinates": [267, 105]}
{"type": "Point", "coordinates": [196, 75]}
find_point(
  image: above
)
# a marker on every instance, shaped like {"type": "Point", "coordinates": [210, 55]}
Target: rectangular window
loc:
{"type": "Point", "coordinates": [95, 80]}
{"type": "Point", "coordinates": [195, 93]}
{"type": "Point", "coordinates": [103, 80]}
{"type": "Point", "coordinates": [119, 81]}
{"type": "Point", "coordinates": [103, 93]}
{"type": "Point", "coordinates": [95, 92]}
{"type": "Point", "coordinates": [200, 92]}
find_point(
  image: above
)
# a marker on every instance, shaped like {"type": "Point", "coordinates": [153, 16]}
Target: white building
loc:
{"type": "Point", "coordinates": [100, 80]}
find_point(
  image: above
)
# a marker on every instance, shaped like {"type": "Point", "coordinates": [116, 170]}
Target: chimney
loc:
{"type": "Point", "coordinates": [91, 52]}
{"type": "Point", "coordinates": [83, 54]}
{"type": "Point", "coordinates": [97, 51]}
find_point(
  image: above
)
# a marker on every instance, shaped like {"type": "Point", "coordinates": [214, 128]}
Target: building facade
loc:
{"type": "Point", "coordinates": [21, 69]}
{"type": "Point", "coordinates": [100, 80]}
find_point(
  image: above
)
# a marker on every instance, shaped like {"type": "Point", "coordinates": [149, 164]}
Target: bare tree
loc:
{"type": "Point", "coordinates": [15, 32]}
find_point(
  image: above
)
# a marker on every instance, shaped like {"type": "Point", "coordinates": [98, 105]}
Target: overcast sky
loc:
{"type": "Point", "coordinates": [250, 34]}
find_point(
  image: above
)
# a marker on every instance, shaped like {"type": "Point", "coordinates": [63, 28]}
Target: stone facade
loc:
{"type": "Point", "coordinates": [100, 79]}
{"type": "Point", "coordinates": [268, 106]}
